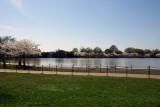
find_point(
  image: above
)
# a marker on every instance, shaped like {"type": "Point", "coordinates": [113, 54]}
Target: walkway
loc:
{"type": "Point", "coordinates": [82, 73]}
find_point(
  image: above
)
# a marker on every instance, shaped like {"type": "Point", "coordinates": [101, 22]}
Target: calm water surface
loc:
{"type": "Point", "coordinates": [137, 62]}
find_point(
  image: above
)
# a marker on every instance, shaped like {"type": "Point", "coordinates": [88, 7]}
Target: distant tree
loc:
{"type": "Point", "coordinates": [82, 49]}
{"type": "Point", "coordinates": [154, 52]}
{"type": "Point", "coordinates": [88, 50]}
{"type": "Point", "coordinates": [60, 53]}
{"type": "Point", "coordinates": [118, 52]}
{"type": "Point", "coordinates": [140, 51]}
{"type": "Point", "coordinates": [74, 50]}
{"type": "Point", "coordinates": [130, 50]}
{"type": "Point", "coordinates": [108, 51]}
{"type": "Point", "coordinates": [97, 50]}
{"type": "Point", "coordinates": [46, 55]}
{"type": "Point", "coordinates": [7, 39]}
{"type": "Point", "coordinates": [114, 48]}
{"type": "Point", "coordinates": [69, 54]}
{"type": "Point", "coordinates": [147, 51]}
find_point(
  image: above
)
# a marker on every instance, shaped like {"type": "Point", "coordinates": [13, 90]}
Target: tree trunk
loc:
{"type": "Point", "coordinates": [4, 62]}
{"type": "Point", "coordinates": [24, 64]}
{"type": "Point", "coordinates": [20, 64]}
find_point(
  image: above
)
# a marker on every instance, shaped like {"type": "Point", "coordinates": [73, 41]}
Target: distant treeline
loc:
{"type": "Point", "coordinates": [58, 54]}
{"type": "Point", "coordinates": [97, 52]}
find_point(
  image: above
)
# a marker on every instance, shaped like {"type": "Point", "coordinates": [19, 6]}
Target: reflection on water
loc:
{"type": "Point", "coordinates": [137, 62]}
{"type": "Point", "coordinates": [33, 61]}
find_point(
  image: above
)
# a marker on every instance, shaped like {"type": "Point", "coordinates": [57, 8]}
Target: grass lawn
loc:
{"type": "Point", "coordinates": [60, 90]}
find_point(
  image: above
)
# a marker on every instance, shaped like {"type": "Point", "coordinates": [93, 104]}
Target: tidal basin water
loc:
{"type": "Point", "coordinates": [80, 62]}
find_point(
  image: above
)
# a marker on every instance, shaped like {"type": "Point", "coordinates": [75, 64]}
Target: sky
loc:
{"type": "Point", "coordinates": [66, 24]}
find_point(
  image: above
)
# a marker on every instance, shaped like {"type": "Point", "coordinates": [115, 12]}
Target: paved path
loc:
{"type": "Point", "coordinates": [83, 73]}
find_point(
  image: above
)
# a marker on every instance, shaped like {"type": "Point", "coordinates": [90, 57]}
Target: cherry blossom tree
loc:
{"type": "Point", "coordinates": [6, 47]}
{"type": "Point", "coordinates": [24, 48]}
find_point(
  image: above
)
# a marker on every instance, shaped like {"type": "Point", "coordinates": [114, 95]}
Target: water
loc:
{"type": "Point", "coordinates": [136, 62]}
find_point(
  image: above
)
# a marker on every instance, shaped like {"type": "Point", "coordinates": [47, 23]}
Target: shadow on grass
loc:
{"type": "Point", "coordinates": [6, 99]}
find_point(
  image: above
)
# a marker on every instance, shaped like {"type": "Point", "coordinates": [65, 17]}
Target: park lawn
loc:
{"type": "Point", "coordinates": [61, 90]}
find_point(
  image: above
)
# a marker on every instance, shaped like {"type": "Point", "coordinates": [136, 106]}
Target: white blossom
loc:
{"type": "Point", "coordinates": [22, 47]}
{"type": "Point", "coordinates": [26, 47]}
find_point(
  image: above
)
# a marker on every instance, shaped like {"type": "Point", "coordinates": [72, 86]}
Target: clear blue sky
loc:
{"type": "Point", "coordinates": [66, 24]}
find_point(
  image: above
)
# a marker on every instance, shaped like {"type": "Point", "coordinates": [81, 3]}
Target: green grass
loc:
{"type": "Point", "coordinates": [59, 90]}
